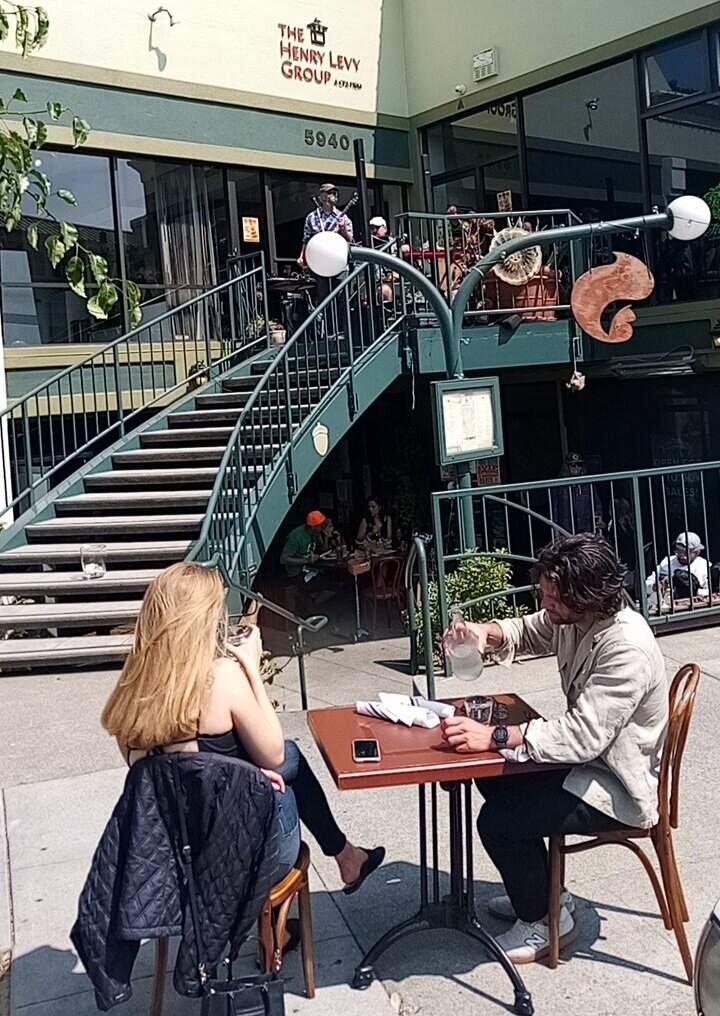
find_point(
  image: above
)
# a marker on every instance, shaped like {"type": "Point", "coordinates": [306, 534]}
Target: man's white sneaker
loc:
{"type": "Point", "coordinates": [500, 906]}
{"type": "Point", "coordinates": [527, 943]}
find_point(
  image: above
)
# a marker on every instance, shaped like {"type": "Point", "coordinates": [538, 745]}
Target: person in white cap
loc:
{"type": "Point", "coordinates": [685, 569]}
{"type": "Point", "coordinates": [378, 231]}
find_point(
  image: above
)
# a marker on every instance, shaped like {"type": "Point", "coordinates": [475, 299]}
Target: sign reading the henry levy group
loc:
{"type": "Point", "coordinates": [307, 53]}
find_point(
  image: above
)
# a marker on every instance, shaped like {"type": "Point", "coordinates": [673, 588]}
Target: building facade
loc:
{"type": "Point", "coordinates": [212, 127]}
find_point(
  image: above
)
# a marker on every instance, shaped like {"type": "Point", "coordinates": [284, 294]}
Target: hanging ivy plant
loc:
{"type": "Point", "coordinates": [23, 133]}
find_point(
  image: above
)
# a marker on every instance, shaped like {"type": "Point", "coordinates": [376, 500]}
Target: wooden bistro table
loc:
{"type": "Point", "coordinates": [355, 565]}
{"type": "Point", "coordinates": [414, 756]}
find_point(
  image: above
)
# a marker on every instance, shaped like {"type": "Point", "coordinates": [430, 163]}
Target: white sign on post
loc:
{"type": "Point", "coordinates": [469, 421]}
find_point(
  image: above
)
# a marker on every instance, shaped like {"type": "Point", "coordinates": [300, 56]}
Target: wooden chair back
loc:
{"type": "Point", "coordinates": [682, 702]}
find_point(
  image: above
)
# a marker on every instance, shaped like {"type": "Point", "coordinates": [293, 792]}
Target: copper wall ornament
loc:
{"type": "Point", "coordinates": [627, 279]}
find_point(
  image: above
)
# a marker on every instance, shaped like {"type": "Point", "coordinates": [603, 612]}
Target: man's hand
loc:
{"type": "Point", "coordinates": [466, 735]}
{"type": "Point", "coordinates": [312, 557]}
{"type": "Point", "coordinates": [488, 634]}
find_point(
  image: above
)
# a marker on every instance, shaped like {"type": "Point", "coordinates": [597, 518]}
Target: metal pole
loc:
{"type": "Point", "coordinates": [361, 177]}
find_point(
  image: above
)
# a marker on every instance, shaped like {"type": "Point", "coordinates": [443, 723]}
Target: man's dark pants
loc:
{"type": "Point", "coordinates": [518, 813]}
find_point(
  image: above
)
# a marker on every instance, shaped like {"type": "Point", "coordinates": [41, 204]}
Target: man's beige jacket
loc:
{"type": "Point", "coordinates": [613, 730]}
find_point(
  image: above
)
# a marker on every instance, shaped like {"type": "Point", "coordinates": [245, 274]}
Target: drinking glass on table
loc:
{"type": "Point", "coordinates": [479, 708]}
{"type": "Point", "coordinates": [92, 560]}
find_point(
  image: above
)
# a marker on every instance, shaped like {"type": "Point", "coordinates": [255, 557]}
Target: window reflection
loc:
{"type": "Point", "coordinates": [677, 70]}
{"type": "Point", "coordinates": [683, 148]}
{"type": "Point", "coordinates": [473, 159]}
{"type": "Point", "coordinates": [583, 150]}
{"type": "Point", "coordinates": [170, 214]}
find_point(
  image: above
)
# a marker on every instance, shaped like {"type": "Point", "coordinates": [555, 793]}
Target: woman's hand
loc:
{"type": "Point", "coordinates": [278, 783]}
{"type": "Point", "coordinates": [249, 653]}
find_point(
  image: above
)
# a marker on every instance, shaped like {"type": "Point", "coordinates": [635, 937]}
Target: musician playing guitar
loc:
{"type": "Point", "coordinates": [327, 217]}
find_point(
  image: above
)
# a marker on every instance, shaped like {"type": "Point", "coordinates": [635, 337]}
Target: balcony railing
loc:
{"type": "Point", "coordinates": [532, 286]}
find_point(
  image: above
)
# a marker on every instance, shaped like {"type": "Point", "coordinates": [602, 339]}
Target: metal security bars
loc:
{"type": "Point", "coordinates": [47, 434]}
{"type": "Point", "coordinates": [323, 354]}
{"type": "Point", "coordinates": [646, 515]}
{"type": "Point", "coordinates": [446, 247]}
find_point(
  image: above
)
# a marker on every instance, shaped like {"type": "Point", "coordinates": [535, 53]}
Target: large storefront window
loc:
{"type": "Point", "coordinates": [474, 159]}
{"type": "Point", "coordinates": [684, 155]}
{"type": "Point", "coordinates": [170, 214]}
{"type": "Point", "coordinates": [582, 145]}
{"type": "Point", "coordinates": [38, 306]}
{"type": "Point", "coordinates": [677, 69]}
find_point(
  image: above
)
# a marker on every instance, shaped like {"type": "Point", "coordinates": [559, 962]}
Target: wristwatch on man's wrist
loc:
{"type": "Point", "coordinates": [500, 736]}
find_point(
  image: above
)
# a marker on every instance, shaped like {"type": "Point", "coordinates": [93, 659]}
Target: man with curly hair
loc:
{"type": "Point", "coordinates": [608, 740]}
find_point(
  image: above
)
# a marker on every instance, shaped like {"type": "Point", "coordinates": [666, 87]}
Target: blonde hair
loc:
{"type": "Point", "coordinates": [167, 676]}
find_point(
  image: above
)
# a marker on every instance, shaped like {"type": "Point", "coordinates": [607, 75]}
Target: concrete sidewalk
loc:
{"type": "Point", "coordinates": [58, 793]}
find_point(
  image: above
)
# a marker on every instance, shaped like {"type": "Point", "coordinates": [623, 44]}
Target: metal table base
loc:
{"type": "Point", "coordinates": [360, 632]}
{"type": "Point", "coordinates": [455, 912]}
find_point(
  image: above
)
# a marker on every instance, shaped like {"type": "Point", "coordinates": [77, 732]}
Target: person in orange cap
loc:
{"type": "Point", "coordinates": [303, 546]}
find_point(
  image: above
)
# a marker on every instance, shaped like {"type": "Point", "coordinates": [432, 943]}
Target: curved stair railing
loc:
{"type": "Point", "coordinates": [95, 400]}
{"type": "Point", "coordinates": [323, 357]}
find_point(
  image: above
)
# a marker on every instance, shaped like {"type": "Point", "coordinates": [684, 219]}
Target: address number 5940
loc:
{"type": "Point", "coordinates": [320, 139]}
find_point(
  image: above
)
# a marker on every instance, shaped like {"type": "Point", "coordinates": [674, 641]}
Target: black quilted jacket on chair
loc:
{"type": "Point", "coordinates": [136, 889]}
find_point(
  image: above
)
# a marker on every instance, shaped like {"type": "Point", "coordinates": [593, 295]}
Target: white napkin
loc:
{"type": "Point", "coordinates": [412, 711]}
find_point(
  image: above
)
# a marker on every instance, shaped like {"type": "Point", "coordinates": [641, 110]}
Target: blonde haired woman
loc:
{"type": "Point", "coordinates": [184, 688]}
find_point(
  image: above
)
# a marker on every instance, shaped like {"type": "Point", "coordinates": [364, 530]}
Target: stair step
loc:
{"type": "Point", "coordinates": [204, 437]}
{"type": "Point", "coordinates": [131, 499]}
{"type": "Point", "coordinates": [168, 459]}
{"type": "Point", "coordinates": [88, 648]}
{"type": "Point", "coordinates": [205, 417]}
{"type": "Point", "coordinates": [240, 399]}
{"type": "Point", "coordinates": [112, 527]}
{"type": "Point", "coordinates": [102, 614]}
{"type": "Point", "coordinates": [69, 553]}
{"type": "Point", "coordinates": [148, 478]}
{"type": "Point", "coordinates": [74, 583]}
{"type": "Point", "coordinates": [259, 367]}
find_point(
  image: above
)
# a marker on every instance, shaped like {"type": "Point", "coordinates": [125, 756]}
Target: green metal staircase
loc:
{"type": "Point", "coordinates": [175, 471]}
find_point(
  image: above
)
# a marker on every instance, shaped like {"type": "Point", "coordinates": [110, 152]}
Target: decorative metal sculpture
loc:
{"type": "Point", "coordinates": [519, 268]}
{"type": "Point", "coordinates": [627, 278]}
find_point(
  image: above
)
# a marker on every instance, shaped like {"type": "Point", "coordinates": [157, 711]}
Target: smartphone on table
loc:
{"type": "Point", "coordinates": [366, 750]}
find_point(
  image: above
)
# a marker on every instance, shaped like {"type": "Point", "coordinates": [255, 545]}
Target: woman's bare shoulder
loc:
{"type": "Point", "coordinates": [228, 675]}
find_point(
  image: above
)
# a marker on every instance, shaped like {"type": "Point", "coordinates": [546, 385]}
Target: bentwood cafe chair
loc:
{"type": "Point", "coordinates": [669, 895]}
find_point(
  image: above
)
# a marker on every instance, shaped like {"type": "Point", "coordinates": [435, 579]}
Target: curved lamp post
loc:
{"type": "Point", "coordinates": [686, 218]}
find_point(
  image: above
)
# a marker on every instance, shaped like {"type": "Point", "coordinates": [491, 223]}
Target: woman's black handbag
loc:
{"type": "Point", "coordinates": [258, 995]}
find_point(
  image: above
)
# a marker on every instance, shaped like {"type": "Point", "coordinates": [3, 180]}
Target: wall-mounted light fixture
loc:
{"type": "Point", "coordinates": [163, 10]}
{"type": "Point", "coordinates": [591, 107]}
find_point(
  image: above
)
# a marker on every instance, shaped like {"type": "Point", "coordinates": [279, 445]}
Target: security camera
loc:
{"type": "Point", "coordinates": [460, 89]}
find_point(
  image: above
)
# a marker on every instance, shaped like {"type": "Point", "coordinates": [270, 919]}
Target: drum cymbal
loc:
{"type": "Point", "coordinates": [283, 284]}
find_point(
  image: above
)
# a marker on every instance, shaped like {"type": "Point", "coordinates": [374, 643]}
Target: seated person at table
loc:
{"type": "Point", "coordinates": [375, 526]}
{"type": "Point", "coordinates": [304, 545]}
{"type": "Point", "coordinates": [687, 571]}
{"type": "Point", "coordinates": [184, 688]}
{"type": "Point", "coordinates": [608, 740]}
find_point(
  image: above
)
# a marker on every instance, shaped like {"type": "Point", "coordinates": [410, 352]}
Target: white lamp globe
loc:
{"type": "Point", "coordinates": [691, 217]}
{"type": "Point", "coordinates": [327, 254]}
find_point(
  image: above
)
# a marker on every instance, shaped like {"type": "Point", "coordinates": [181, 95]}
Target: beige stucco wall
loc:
{"type": "Point", "coordinates": [536, 40]}
{"type": "Point", "coordinates": [238, 49]}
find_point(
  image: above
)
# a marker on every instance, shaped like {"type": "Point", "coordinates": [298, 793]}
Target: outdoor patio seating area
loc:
{"type": "Point", "coordinates": [57, 798]}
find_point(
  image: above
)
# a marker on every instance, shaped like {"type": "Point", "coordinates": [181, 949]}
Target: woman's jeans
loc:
{"type": "Point", "coordinates": [519, 812]}
{"type": "Point", "coordinates": [303, 801]}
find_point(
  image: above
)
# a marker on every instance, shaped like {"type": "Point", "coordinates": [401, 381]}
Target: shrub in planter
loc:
{"type": "Point", "coordinates": [474, 576]}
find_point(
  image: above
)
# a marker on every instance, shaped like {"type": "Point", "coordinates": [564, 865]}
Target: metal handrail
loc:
{"type": "Point", "coordinates": [217, 328]}
{"type": "Point", "coordinates": [232, 508]}
{"type": "Point", "coordinates": [522, 213]}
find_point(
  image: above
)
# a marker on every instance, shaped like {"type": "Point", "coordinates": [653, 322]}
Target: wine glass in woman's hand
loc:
{"type": "Point", "coordinates": [249, 651]}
